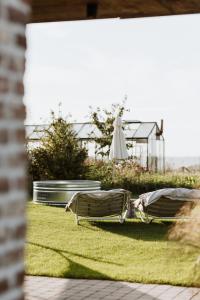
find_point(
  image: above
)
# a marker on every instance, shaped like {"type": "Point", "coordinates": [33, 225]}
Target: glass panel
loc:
{"type": "Point", "coordinates": [139, 152]}
{"type": "Point", "coordinates": [144, 130]}
{"type": "Point", "coordinates": [152, 151]}
{"type": "Point", "coordinates": [87, 131]}
{"type": "Point", "coordinates": [130, 129]}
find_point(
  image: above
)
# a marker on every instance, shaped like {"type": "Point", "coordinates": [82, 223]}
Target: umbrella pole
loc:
{"type": "Point", "coordinates": [113, 170]}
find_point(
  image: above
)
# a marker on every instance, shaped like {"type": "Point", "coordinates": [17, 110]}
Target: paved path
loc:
{"type": "Point", "coordinates": [45, 288]}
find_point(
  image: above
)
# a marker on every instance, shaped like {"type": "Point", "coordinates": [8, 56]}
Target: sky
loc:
{"type": "Point", "coordinates": [154, 61]}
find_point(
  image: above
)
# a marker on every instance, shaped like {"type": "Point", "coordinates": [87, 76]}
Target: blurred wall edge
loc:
{"type": "Point", "coordinates": [14, 15]}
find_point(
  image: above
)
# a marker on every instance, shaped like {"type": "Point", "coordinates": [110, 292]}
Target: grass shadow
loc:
{"type": "Point", "coordinates": [135, 230]}
{"type": "Point", "coordinates": [76, 270]}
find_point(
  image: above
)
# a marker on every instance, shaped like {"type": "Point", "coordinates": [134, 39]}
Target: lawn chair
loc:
{"type": "Point", "coordinates": [100, 205]}
{"type": "Point", "coordinates": [164, 204]}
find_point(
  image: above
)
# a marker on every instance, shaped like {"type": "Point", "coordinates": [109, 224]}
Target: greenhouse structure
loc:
{"type": "Point", "coordinates": [146, 139]}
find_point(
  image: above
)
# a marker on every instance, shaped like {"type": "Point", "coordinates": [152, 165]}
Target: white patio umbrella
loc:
{"type": "Point", "coordinates": [118, 150]}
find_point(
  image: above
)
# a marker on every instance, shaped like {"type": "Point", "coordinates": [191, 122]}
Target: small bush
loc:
{"type": "Point", "coordinates": [59, 155]}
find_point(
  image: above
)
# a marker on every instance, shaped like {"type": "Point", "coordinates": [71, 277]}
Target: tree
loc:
{"type": "Point", "coordinates": [104, 119]}
{"type": "Point", "coordinates": [59, 156]}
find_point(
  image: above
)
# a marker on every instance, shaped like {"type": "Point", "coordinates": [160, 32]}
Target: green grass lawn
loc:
{"type": "Point", "coordinates": [134, 251]}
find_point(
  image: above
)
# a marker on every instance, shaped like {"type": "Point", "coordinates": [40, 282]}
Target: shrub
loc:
{"type": "Point", "coordinates": [129, 175]}
{"type": "Point", "coordinates": [59, 155]}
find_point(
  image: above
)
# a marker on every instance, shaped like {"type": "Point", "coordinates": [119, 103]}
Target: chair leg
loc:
{"type": "Point", "coordinates": [130, 213]}
{"type": "Point", "coordinates": [121, 219]}
{"type": "Point", "coordinates": [145, 218]}
{"type": "Point", "coordinates": [77, 220]}
{"type": "Point", "coordinates": [148, 220]}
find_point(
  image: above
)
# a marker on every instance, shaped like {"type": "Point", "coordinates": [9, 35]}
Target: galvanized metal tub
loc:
{"type": "Point", "coordinates": [59, 192]}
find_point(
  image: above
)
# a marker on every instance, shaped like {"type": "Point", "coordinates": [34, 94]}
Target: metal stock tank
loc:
{"type": "Point", "coordinates": [59, 192]}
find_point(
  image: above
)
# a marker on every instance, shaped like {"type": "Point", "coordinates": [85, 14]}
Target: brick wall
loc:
{"type": "Point", "coordinates": [13, 18]}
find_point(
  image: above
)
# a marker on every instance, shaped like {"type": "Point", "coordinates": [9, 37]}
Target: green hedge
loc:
{"type": "Point", "coordinates": [136, 181]}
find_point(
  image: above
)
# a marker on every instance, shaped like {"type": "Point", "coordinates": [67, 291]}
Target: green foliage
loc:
{"type": "Point", "coordinates": [59, 155]}
{"type": "Point", "coordinates": [132, 177]}
{"type": "Point", "coordinates": [103, 119]}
